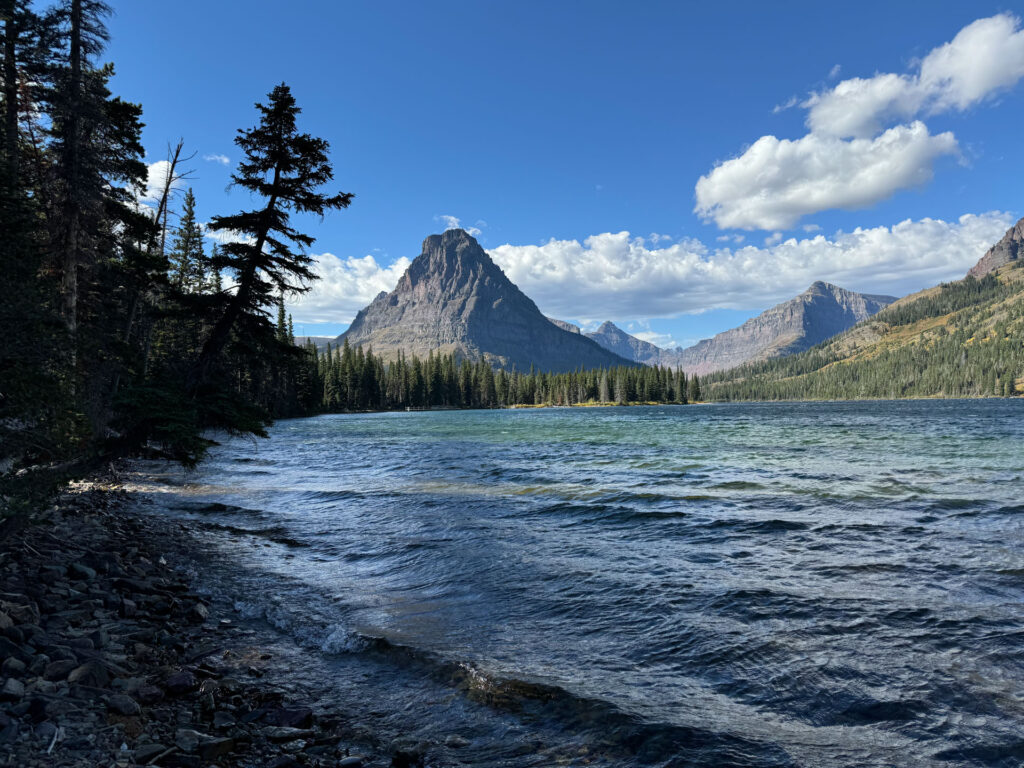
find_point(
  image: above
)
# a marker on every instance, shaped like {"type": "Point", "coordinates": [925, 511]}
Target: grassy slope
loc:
{"type": "Point", "coordinates": [961, 339]}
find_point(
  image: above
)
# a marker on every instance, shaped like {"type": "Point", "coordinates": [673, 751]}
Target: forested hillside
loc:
{"type": "Point", "coordinates": [960, 339]}
{"type": "Point", "coordinates": [121, 331]}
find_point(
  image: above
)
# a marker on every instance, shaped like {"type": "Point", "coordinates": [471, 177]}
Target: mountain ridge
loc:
{"type": "Point", "coordinates": [820, 312]}
{"type": "Point", "coordinates": [454, 299]}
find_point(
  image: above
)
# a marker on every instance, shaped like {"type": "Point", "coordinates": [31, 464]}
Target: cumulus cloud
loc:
{"type": "Point", "coordinates": [777, 181]}
{"type": "Point", "coordinates": [453, 222]}
{"type": "Point", "coordinates": [618, 276]}
{"type": "Point", "coordinates": [217, 158]}
{"type": "Point", "coordinates": [156, 179]}
{"type": "Point", "coordinates": [346, 285]}
{"type": "Point", "coordinates": [984, 59]}
{"type": "Point", "coordinates": [866, 140]}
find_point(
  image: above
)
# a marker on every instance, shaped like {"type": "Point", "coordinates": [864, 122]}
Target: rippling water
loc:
{"type": "Point", "coordinates": [819, 584]}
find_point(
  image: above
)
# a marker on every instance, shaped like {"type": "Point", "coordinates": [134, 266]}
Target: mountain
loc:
{"type": "Point", "coordinates": [616, 340]}
{"type": "Point", "coordinates": [822, 311]}
{"type": "Point", "coordinates": [1010, 248]}
{"type": "Point", "coordinates": [570, 327]}
{"type": "Point", "coordinates": [960, 339]}
{"type": "Point", "coordinates": [454, 299]}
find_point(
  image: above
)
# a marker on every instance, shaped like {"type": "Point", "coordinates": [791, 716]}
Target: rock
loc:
{"type": "Point", "coordinates": [181, 683]}
{"type": "Point", "coordinates": [5, 622]}
{"type": "Point", "coordinates": [351, 762]}
{"type": "Point", "coordinates": [283, 733]}
{"type": "Point", "coordinates": [188, 740]}
{"type": "Point", "coordinates": [13, 690]}
{"type": "Point", "coordinates": [149, 694]}
{"type": "Point", "coordinates": [128, 608]}
{"type": "Point", "coordinates": [100, 638]}
{"type": "Point", "coordinates": [147, 752]}
{"type": "Point", "coordinates": [10, 648]}
{"type": "Point", "coordinates": [79, 571]}
{"type": "Point", "coordinates": [214, 748]}
{"type": "Point", "coordinates": [123, 704]}
{"type": "Point", "coordinates": [456, 742]}
{"type": "Point", "coordinates": [283, 761]}
{"type": "Point", "coordinates": [222, 719]}
{"type": "Point", "coordinates": [91, 673]}
{"type": "Point", "coordinates": [13, 667]}
{"type": "Point", "coordinates": [59, 670]}
{"type": "Point", "coordinates": [45, 730]}
{"type": "Point", "coordinates": [290, 717]}
{"type": "Point", "coordinates": [198, 613]}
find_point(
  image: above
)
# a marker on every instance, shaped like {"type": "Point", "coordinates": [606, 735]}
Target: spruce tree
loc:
{"type": "Point", "coordinates": [187, 260]}
{"type": "Point", "coordinates": [285, 169]}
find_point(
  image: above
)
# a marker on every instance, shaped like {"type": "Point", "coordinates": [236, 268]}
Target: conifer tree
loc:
{"type": "Point", "coordinates": [187, 260]}
{"type": "Point", "coordinates": [285, 169]}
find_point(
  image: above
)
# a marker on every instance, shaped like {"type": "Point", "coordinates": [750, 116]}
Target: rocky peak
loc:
{"type": "Point", "coordinates": [1010, 248]}
{"type": "Point", "coordinates": [454, 299]}
{"type": "Point", "coordinates": [448, 260]}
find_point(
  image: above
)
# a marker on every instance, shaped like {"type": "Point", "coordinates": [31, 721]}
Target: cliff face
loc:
{"type": "Point", "coordinates": [453, 298]}
{"type": "Point", "coordinates": [1010, 248]}
{"type": "Point", "coordinates": [819, 313]}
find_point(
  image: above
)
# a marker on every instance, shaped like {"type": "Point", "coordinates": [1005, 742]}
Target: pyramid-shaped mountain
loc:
{"type": "Point", "coordinates": [454, 299]}
{"type": "Point", "coordinates": [616, 340]}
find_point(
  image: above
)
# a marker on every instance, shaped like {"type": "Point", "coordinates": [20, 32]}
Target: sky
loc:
{"type": "Point", "coordinates": [673, 167]}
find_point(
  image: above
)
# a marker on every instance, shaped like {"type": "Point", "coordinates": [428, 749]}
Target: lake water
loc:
{"type": "Point", "coordinates": [813, 584]}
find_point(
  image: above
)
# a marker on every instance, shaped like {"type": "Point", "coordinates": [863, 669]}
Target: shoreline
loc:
{"type": "Point", "coordinates": [112, 659]}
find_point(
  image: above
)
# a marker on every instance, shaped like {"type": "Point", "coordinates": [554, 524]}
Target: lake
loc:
{"type": "Point", "coordinates": [785, 584]}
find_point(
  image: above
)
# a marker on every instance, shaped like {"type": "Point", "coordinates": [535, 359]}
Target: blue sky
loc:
{"type": "Point", "coordinates": [746, 148]}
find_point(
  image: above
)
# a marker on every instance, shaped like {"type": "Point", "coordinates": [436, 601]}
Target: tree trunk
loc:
{"type": "Point", "coordinates": [72, 219]}
{"type": "Point", "coordinates": [11, 97]}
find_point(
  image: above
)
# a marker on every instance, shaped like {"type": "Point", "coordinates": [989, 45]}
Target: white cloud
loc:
{"type": "Point", "coordinates": [834, 72]}
{"type": "Point", "coordinates": [777, 181]}
{"type": "Point", "coordinates": [156, 179]}
{"type": "Point", "coordinates": [985, 58]}
{"type": "Point", "coordinates": [865, 141]}
{"type": "Point", "coordinates": [789, 103]}
{"type": "Point", "coordinates": [217, 158]}
{"type": "Point", "coordinates": [225, 235]}
{"type": "Point", "coordinates": [346, 285]}
{"type": "Point", "coordinates": [453, 222]}
{"type": "Point", "coordinates": [617, 276]}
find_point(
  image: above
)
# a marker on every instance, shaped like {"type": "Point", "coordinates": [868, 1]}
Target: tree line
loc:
{"type": "Point", "coordinates": [341, 378]}
{"type": "Point", "coordinates": [122, 331]}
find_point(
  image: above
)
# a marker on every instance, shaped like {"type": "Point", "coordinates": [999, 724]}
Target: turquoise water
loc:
{"type": "Point", "coordinates": [768, 584]}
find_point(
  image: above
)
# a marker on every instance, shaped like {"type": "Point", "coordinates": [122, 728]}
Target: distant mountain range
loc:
{"type": "Point", "coordinates": [454, 299]}
{"type": "Point", "coordinates": [960, 339]}
{"type": "Point", "coordinates": [822, 311]}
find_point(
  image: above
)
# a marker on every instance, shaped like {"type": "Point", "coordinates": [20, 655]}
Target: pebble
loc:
{"type": "Point", "coordinates": [13, 690]}
{"type": "Point", "coordinates": [123, 704]}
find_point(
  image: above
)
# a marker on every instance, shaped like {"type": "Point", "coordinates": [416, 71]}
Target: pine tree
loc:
{"type": "Point", "coordinates": [694, 395]}
{"type": "Point", "coordinates": [186, 257]}
{"type": "Point", "coordinates": [285, 168]}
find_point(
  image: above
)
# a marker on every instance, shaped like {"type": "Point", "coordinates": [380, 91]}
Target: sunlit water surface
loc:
{"type": "Point", "coordinates": [823, 584]}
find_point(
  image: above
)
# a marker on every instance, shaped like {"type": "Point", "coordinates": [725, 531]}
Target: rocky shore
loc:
{"type": "Point", "coordinates": [110, 659]}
